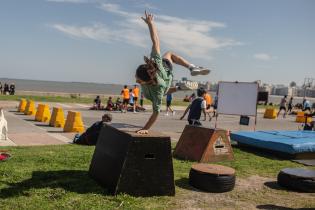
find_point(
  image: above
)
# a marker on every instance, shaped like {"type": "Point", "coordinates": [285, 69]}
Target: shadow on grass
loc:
{"type": "Point", "coordinates": [274, 185]}
{"type": "Point", "coordinates": [273, 155]}
{"type": "Point", "coordinates": [184, 183]}
{"type": "Point", "coordinates": [271, 206]}
{"type": "Point", "coordinates": [70, 180]}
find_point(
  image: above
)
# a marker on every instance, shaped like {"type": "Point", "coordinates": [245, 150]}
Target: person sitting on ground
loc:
{"type": "Point", "coordinates": [110, 104]}
{"type": "Point", "coordinates": [186, 99]}
{"type": "Point", "coordinates": [118, 104]}
{"type": "Point", "coordinates": [97, 103]}
{"type": "Point", "coordinates": [155, 76]}
{"type": "Point", "coordinates": [192, 97]}
{"type": "Point", "coordinates": [90, 136]}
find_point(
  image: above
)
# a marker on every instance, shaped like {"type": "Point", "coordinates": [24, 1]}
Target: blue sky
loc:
{"type": "Point", "coordinates": [104, 41]}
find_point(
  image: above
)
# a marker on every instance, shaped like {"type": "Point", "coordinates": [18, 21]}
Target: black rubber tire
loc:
{"type": "Point", "coordinates": [211, 182]}
{"type": "Point", "coordinates": [295, 183]}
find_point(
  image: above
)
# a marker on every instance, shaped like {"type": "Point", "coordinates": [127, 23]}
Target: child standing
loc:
{"type": "Point", "coordinates": [197, 106]}
{"type": "Point", "coordinates": [155, 76]}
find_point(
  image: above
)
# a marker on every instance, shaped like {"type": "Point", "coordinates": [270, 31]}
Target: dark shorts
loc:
{"type": "Point", "coordinates": [167, 64]}
{"type": "Point", "coordinates": [168, 103]}
{"type": "Point", "coordinates": [135, 99]}
{"type": "Point", "coordinates": [194, 122]}
{"type": "Point", "coordinates": [126, 101]}
{"type": "Point", "coordinates": [283, 108]}
{"type": "Point", "coordinates": [307, 108]}
{"type": "Point", "coordinates": [208, 106]}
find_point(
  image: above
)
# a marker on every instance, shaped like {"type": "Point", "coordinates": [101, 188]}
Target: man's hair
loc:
{"type": "Point", "coordinates": [107, 116]}
{"type": "Point", "coordinates": [201, 91]}
{"type": "Point", "coordinates": [147, 72]}
{"type": "Point", "coordinates": [125, 86]}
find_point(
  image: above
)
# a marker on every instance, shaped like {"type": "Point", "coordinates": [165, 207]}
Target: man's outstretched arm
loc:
{"type": "Point", "coordinates": [148, 19]}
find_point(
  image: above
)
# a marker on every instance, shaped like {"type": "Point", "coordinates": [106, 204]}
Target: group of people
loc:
{"type": "Point", "coordinates": [7, 89]}
{"type": "Point", "coordinates": [287, 105]}
{"type": "Point", "coordinates": [127, 102]}
{"type": "Point", "coordinates": [130, 97]}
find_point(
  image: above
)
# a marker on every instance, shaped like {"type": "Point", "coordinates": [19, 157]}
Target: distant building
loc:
{"type": "Point", "coordinates": [282, 90]}
{"type": "Point", "coordinates": [265, 88]}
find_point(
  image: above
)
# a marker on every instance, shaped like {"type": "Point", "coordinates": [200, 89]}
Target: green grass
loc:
{"type": "Point", "coordinates": [55, 177]}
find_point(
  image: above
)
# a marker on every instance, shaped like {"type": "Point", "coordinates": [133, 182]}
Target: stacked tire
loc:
{"type": "Point", "coordinates": [297, 179]}
{"type": "Point", "coordinates": [212, 178]}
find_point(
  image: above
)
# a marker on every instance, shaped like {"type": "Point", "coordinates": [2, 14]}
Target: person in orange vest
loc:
{"type": "Point", "coordinates": [125, 96]}
{"type": "Point", "coordinates": [135, 97]}
{"type": "Point", "coordinates": [208, 99]}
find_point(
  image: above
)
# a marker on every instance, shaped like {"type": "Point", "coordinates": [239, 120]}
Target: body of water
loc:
{"type": "Point", "coordinates": [85, 88]}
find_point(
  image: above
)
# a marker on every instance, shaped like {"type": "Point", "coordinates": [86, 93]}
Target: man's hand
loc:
{"type": "Point", "coordinates": [142, 131]}
{"type": "Point", "coordinates": [148, 19]}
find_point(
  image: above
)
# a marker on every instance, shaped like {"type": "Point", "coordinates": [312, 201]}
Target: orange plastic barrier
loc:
{"type": "Point", "coordinates": [57, 118]}
{"type": "Point", "coordinates": [74, 122]}
{"type": "Point", "coordinates": [43, 113]}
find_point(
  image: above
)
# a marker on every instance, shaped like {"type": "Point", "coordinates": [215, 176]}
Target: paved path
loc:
{"type": "Point", "coordinates": [23, 130]}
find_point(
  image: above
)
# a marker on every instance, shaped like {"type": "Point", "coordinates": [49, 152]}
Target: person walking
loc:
{"type": "Point", "coordinates": [283, 106]}
{"type": "Point", "coordinates": [169, 98]}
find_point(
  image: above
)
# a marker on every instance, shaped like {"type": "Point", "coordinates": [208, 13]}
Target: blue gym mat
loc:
{"type": "Point", "coordinates": [291, 142]}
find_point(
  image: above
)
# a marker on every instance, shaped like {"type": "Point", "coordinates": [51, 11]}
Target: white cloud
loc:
{"type": "Point", "coordinates": [69, 1]}
{"type": "Point", "coordinates": [188, 36]}
{"type": "Point", "coordinates": [263, 57]}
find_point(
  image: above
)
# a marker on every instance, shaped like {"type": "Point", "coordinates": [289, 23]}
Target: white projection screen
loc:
{"type": "Point", "coordinates": [237, 98]}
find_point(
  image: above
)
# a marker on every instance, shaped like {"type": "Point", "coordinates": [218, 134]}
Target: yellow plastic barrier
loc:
{"type": "Point", "coordinates": [30, 108]}
{"type": "Point", "coordinates": [22, 105]}
{"type": "Point", "coordinates": [300, 118]}
{"type": "Point", "coordinates": [43, 113]}
{"type": "Point", "coordinates": [57, 118]}
{"type": "Point", "coordinates": [270, 113]}
{"type": "Point", "coordinates": [74, 122]}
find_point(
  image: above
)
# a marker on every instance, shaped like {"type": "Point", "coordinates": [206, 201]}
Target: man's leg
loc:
{"type": "Point", "coordinates": [176, 59]}
{"type": "Point", "coordinates": [194, 70]}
